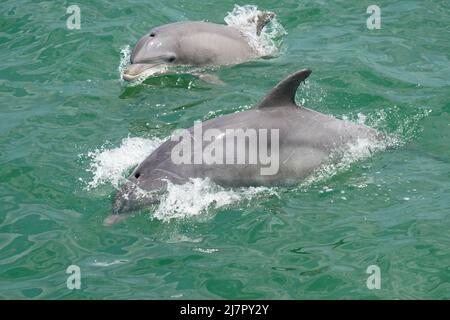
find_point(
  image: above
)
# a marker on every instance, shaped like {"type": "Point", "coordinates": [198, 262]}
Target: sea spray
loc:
{"type": "Point", "coordinates": [110, 166]}
{"type": "Point", "coordinates": [269, 42]}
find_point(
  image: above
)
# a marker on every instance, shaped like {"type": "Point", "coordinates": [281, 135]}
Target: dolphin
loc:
{"type": "Point", "coordinates": [306, 140]}
{"type": "Point", "coordinates": [192, 43]}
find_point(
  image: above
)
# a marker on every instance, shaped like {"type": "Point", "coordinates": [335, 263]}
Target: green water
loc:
{"type": "Point", "coordinates": [61, 98]}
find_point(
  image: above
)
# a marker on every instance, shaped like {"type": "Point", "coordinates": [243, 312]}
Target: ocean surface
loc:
{"type": "Point", "coordinates": [71, 130]}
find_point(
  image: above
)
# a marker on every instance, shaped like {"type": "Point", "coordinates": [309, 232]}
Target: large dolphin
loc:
{"type": "Point", "coordinates": [192, 43]}
{"type": "Point", "coordinates": [306, 139]}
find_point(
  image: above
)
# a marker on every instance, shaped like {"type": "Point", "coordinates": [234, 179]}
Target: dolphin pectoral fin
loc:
{"type": "Point", "coordinates": [283, 94]}
{"type": "Point", "coordinates": [210, 78]}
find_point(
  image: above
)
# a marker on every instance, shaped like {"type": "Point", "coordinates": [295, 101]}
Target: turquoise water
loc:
{"type": "Point", "coordinates": [70, 130]}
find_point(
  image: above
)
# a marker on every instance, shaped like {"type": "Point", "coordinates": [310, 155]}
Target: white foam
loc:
{"type": "Point", "coordinates": [363, 148]}
{"type": "Point", "coordinates": [200, 196]}
{"type": "Point", "coordinates": [208, 251]}
{"type": "Point", "coordinates": [406, 128]}
{"type": "Point", "coordinates": [268, 42]}
{"type": "Point", "coordinates": [107, 264]}
{"type": "Point", "coordinates": [125, 54]}
{"type": "Point", "coordinates": [343, 157]}
{"type": "Point", "coordinates": [111, 165]}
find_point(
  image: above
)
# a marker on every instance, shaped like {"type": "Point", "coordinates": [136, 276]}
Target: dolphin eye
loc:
{"type": "Point", "coordinates": [172, 59]}
{"type": "Point", "coordinates": [152, 34]}
{"type": "Point", "coordinates": [137, 175]}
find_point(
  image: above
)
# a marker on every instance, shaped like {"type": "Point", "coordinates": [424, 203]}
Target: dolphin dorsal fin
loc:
{"type": "Point", "coordinates": [283, 94]}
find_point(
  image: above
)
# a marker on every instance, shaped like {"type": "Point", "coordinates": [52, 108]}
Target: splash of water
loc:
{"type": "Point", "coordinates": [198, 197]}
{"type": "Point", "coordinates": [341, 158]}
{"type": "Point", "coordinates": [406, 129]}
{"type": "Point", "coordinates": [109, 166]}
{"type": "Point", "coordinates": [400, 129]}
{"type": "Point", "coordinates": [125, 55]}
{"type": "Point", "coordinates": [97, 263]}
{"type": "Point", "coordinates": [269, 41]}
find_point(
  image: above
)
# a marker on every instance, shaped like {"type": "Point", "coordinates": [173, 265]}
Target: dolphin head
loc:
{"type": "Point", "coordinates": [139, 191]}
{"type": "Point", "coordinates": [153, 51]}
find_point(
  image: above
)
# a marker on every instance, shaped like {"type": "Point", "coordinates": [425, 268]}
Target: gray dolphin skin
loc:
{"type": "Point", "coordinates": [192, 43]}
{"type": "Point", "coordinates": [306, 140]}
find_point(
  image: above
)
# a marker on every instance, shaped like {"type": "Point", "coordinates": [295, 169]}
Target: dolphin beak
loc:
{"type": "Point", "coordinates": [128, 199]}
{"type": "Point", "coordinates": [136, 70]}
{"type": "Point", "coordinates": [124, 202]}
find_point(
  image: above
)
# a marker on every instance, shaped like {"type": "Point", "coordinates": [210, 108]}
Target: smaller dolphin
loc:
{"type": "Point", "coordinates": [305, 139]}
{"type": "Point", "coordinates": [192, 43]}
